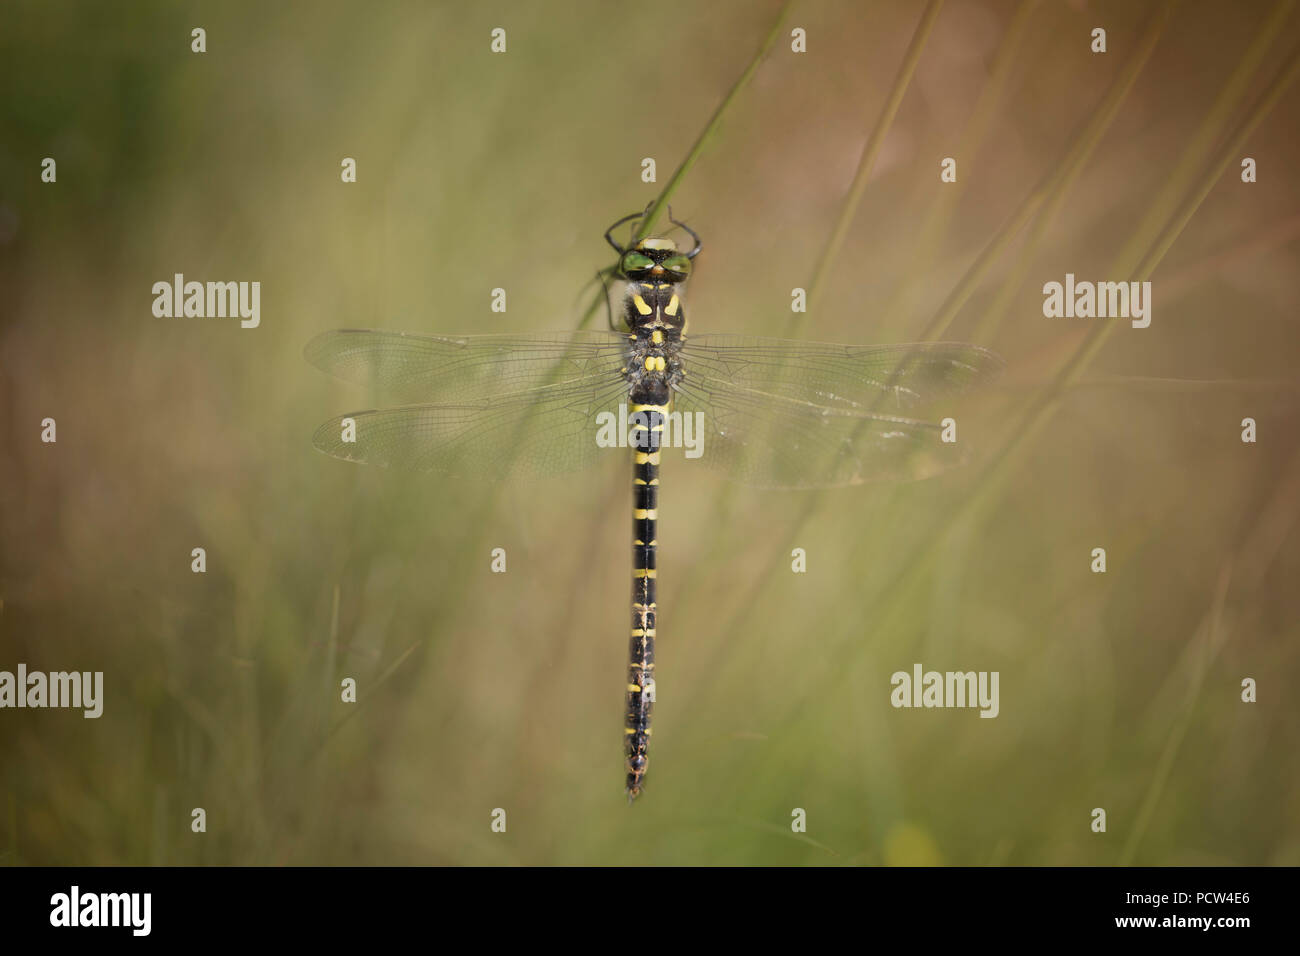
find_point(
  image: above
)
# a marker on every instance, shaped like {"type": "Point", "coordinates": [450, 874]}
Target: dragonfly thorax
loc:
{"type": "Point", "coordinates": [653, 366]}
{"type": "Point", "coordinates": [654, 305]}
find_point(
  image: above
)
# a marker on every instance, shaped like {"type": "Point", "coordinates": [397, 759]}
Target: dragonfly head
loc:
{"type": "Point", "coordinates": [655, 260]}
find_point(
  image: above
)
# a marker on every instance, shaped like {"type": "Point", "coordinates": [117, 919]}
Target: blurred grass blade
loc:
{"type": "Point", "coordinates": [715, 121]}
{"type": "Point", "coordinates": [1246, 569]}
{"type": "Point", "coordinates": [1174, 184]}
{"type": "Point", "coordinates": [944, 202]}
{"type": "Point", "coordinates": [1050, 192]}
{"type": "Point", "coordinates": [1214, 633]}
{"type": "Point", "coordinates": [696, 151]}
{"type": "Point", "coordinates": [1102, 331]}
{"type": "Point", "coordinates": [1008, 459]}
{"type": "Point", "coordinates": [902, 79]}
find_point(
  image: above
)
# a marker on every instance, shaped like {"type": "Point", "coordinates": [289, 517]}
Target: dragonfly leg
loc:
{"type": "Point", "coordinates": [610, 239]}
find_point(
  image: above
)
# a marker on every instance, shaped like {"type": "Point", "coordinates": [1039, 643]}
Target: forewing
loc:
{"type": "Point", "coordinates": [453, 369]}
{"type": "Point", "coordinates": [882, 379]}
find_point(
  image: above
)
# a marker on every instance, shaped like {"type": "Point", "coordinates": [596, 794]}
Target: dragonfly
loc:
{"type": "Point", "coordinates": [763, 411]}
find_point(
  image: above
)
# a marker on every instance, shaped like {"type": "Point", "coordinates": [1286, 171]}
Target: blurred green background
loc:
{"type": "Point", "coordinates": [478, 690]}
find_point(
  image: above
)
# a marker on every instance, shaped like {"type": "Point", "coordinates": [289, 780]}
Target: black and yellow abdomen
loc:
{"type": "Point", "coordinates": [646, 435]}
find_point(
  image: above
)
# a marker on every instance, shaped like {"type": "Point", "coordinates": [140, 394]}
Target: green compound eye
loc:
{"type": "Point", "coordinates": [679, 264]}
{"type": "Point", "coordinates": [636, 262]}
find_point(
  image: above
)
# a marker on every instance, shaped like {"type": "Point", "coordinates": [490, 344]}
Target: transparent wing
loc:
{"type": "Point", "coordinates": [541, 432]}
{"type": "Point", "coordinates": [438, 368]}
{"type": "Point", "coordinates": [791, 414]}
{"type": "Point", "coordinates": [776, 413]}
{"type": "Point", "coordinates": [885, 379]}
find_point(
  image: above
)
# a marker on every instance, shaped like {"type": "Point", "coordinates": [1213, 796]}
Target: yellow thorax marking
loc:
{"type": "Point", "coordinates": [640, 304]}
{"type": "Point", "coordinates": [671, 307]}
